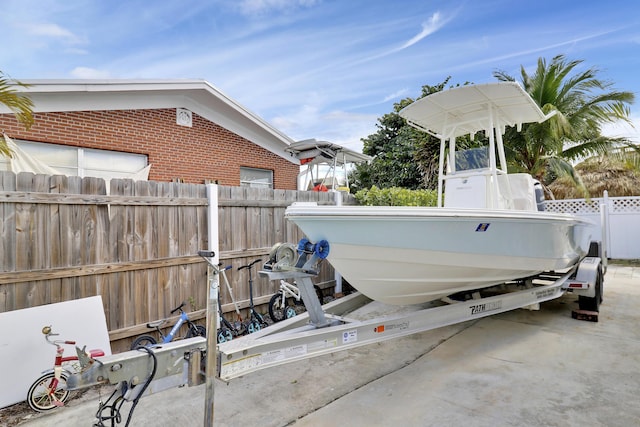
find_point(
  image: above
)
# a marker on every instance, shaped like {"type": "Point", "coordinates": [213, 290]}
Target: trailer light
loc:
{"type": "Point", "coordinates": [578, 285]}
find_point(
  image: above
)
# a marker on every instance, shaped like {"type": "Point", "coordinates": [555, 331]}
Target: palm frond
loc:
{"type": "Point", "coordinates": [4, 148]}
{"type": "Point", "coordinates": [20, 104]}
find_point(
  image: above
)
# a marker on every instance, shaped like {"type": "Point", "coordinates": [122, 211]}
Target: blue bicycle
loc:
{"type": "Point", "coordinates": [193, 330]}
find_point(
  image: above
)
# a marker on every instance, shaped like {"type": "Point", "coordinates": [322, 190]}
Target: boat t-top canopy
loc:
{"type": "Point", "coordinates": [312, 151]}
{"type": "Point", "coordinates": [466, 110]}
{"type": "Point", "coordinates": [327, 155]}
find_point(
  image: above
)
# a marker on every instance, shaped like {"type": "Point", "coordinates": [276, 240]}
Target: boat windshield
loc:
{"type": "Point", "coordinates": [473, 158]}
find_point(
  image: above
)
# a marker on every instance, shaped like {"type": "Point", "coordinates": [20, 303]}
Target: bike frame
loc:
{"type": "Point", "coordinates": [289, 290]}
{"type": "Point", "coordinates": [82, 356]}
{"type": "Point", "coordinates": [172, 333]}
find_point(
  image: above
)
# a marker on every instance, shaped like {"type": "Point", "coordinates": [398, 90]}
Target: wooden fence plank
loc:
{"type": "Point", "coordinates": [64, 238]}
{"type": "Point", "coordinates": [8, 234]}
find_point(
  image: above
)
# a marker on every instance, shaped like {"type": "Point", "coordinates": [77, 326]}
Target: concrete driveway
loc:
{"type": "Point", "coordinates": [539, 368]}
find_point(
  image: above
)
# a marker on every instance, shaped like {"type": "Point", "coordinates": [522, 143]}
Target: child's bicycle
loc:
{"type": "Point", "coordinates": [50, 390]}
{"type": "Point", "coordinates": [287, 302]}
{"type": "Point", "coordinates": [193, 331]}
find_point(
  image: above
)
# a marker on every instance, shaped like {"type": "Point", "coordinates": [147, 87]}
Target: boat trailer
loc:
{"type": "Point", "coordinates": [327, 329]}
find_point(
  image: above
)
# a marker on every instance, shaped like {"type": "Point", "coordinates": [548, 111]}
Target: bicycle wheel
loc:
{"type": "Point", "coordinates": [143, 341]}
{"type": "Point", "coordinates": [276, 308]}
{"type": "Point", "coordinates": [39, 397]}
{"type": "Point", "coordinates": [289, 312]}
{"type": "Point", "coordinates": [253, 326]}
{"type": "Point", "coordinates": [224, 335]}
{"type": "Point", "coordinates": [197, 331]}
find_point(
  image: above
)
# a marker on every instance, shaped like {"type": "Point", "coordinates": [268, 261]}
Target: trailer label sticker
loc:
{"type": "Point", "coordinates": [546, 293]}
{"type": "Point", "coordinates": [278, 355]}
{"type": "Point", "coordinates": [390, 327]}
{"type": "Point", "coordinates": [350, 336]}
{"type": "Point", "coordinates": [241, 365]}
{"type": "Point", "coordinates": [487, 306]}
{"type": "Point", "coordinates": [483, 226]}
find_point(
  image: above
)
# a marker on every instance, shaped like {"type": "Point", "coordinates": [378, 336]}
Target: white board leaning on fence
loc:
{"type": "Point", "coordinates": [25, 354]}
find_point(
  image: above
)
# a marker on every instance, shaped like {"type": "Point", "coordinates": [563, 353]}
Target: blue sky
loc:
{"type": "Point", "coordinates": [325, 69]}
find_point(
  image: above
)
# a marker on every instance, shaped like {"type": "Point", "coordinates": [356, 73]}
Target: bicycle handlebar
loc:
{"type": "Point", "coordinates": [178, 308]}
{"type": "Point", "coordinates": [48, 332]}
{"type": "Point", "coordinates": [249, 265]}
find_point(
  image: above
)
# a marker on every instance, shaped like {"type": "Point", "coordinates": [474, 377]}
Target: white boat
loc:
{"type": "Point", "coordinates": [491, 229]}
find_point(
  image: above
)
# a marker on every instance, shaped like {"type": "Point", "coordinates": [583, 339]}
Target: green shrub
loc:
{"type": "Point", "coordinates": [395, 196]}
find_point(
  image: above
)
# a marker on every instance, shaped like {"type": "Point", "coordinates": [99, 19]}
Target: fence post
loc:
{"type": "Point", "coordinates": [604, 215]}
{"type": "Point", "coordinates": [212, 304]}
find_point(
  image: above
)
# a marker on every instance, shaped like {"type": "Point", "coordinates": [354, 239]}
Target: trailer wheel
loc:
{"type": "Point", "coordinates": [593, 303]}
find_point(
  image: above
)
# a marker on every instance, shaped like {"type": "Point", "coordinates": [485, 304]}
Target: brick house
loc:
{"type": "Point", "coordinates": [184, 129]}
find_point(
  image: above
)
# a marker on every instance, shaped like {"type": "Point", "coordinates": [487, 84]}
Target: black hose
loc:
{"type": "Point", "coordinates": [146, 384]}
{"type": "Point", "coordinates": [115, 415]}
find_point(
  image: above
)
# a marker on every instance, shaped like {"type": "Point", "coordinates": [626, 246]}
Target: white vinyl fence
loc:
{"type": "Point", "coordinates": [621, 217]}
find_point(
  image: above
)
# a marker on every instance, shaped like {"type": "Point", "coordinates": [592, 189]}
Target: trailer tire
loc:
{"type": "Point", "coordinates": [593, 303]}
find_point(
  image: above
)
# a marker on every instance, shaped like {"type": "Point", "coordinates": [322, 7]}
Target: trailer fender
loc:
{"type": "Point", "coordinates": [587, 276]}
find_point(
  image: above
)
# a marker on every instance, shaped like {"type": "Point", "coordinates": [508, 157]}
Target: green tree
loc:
{"type": "Point", "coordinates": [582, 103]}
{"type": "Point", "coordinates": [18, 103]}
{"type": "Point", "coordinates": [402, 155]}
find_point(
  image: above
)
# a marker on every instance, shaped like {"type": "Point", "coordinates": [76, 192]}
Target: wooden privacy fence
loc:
{"type": "Point", "coordinates": [65, 238]}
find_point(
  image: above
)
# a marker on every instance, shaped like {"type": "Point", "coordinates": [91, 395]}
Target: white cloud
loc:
{"type": "Point", "coordinates": [337, 126]}
{"type": "Point", "coordinates": [51, 30]}
{"type": "Point", "coordinates": [434, 23]}
{"type": "Point", "coordinates": [396, 95]}
{"type": "Point", "coordinates": [622, 129]}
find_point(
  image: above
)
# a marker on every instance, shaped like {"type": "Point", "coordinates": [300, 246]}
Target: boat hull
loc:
{"type": "Point", "coordinates": [405, 255]}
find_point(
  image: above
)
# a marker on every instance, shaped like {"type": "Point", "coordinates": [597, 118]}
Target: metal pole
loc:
{"type": "Point", "coordinates": [337, 290]}
{"type": "Point", "coordinates": [212, 304]}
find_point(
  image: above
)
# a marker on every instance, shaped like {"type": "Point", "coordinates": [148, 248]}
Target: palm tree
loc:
{"type": "Point", "coordinates": [582, 103]}
{"type": "Point", "coordinates": [621, 178]}
{"type": "Point", "coordinates": [20, 104]}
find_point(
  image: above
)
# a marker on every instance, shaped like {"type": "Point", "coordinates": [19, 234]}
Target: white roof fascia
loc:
{"type": "Point", "coordinates": [196, 95]}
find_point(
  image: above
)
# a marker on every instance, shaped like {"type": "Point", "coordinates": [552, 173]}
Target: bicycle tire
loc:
{"type": "Point", "coordinates": [289, 312]}
{"type": "Point", "coordinates": [143, 341]}
{"type": "Point", "coordinates": [276, 310]}
{"type": "Point", "coordinates": [38, 396]}
{"type": "Point", "coordinates": [197, 331]}
{"type": "Point", "coordinates": [253, 326]}
{"type": "Point", "coordinates": [224, 335]}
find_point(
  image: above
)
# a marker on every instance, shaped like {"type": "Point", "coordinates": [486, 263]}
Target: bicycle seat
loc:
{"type": "Point", "coordinates": [156, 324]}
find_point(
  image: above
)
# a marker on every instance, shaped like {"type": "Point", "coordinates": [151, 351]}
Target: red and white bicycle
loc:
{"type": "Point", "coordinates": [50, 390]}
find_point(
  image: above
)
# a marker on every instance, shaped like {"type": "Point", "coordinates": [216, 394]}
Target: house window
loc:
{"type": "Point", "coordinates": [252, 177]}
{"type": "Point", "coordinates": [78, 161]}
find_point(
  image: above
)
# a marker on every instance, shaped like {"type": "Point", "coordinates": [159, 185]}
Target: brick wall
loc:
{"type": "Point", "coordinates": [204, 151]}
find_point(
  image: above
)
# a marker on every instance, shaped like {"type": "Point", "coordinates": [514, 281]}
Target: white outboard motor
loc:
{"type": "Point", "coordinates": [537, 188]}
